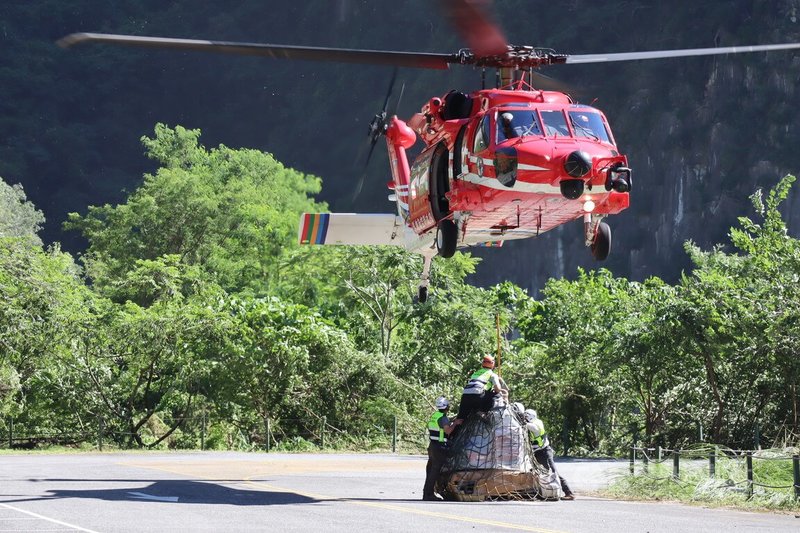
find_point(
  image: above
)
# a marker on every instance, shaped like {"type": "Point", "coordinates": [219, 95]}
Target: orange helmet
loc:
{"type": "Point", "coordinates": [488, 361]}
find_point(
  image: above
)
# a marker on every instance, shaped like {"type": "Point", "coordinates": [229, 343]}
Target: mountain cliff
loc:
{"type": "Point", "coordinates": [701, 133]}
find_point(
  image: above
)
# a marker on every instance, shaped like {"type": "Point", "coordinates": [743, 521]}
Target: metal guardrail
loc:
{"type": "Point", "coordinates": [712, 462]}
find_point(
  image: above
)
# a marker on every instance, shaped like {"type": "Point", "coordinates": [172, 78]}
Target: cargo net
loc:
{"type": "Point", "coordinates": [490, 458]}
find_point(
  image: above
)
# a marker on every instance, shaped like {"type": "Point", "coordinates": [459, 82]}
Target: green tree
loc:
{"type": "Point", "coordinates": [284, 363]}
{"type": "Point", "coordinates": [738, 318]}
{"type": "Point", "coordinates": [139, 365]}
{"type": "Point", "coordinates": [18, 216]}
{"type": "Point", "coordinates": [564, 343]}
{"type": "Point", "coordinates": [658, 378]}
{"type": "Point", "coordinates": [229, 212]}
{"type": "Point", "coordinates": [371, 291]}
{"type": "Point", "coordinates": [43, 301]}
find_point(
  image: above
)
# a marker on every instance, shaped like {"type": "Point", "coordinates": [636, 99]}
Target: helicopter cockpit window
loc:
{"type": "Point", "coordinates": [517, 123]}
{"type": "Point", "coordinates": [590, 125]}
{"type": "Point", "coordinates": [555, 125]}
{"type": "Point", "coordinates": [482, 136]}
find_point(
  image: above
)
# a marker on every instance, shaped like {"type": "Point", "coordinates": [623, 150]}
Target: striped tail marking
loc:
{"type": "Point", "coordinates": [315, 228]}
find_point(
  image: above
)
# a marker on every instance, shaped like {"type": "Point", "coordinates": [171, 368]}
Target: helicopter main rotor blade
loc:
{"type": "Point", "coordinates": [362, 176]}
{"type": "Point", "coordinates": [662, 54]}
{"type": "Point", "coordinates": [312, 53]}
{"type": "Point", "coordinates": [471, 19]}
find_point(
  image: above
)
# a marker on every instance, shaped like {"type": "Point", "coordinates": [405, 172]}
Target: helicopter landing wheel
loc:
{"type": "Point", "coordinates": [601, 246]}
{"type": "Point", "coordinates": [446, 238]}
{"type": "Point", "coordinates": [422, 295]}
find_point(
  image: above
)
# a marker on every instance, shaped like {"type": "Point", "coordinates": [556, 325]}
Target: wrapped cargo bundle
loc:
{"type": "Point", "coordinates": [490, 458]}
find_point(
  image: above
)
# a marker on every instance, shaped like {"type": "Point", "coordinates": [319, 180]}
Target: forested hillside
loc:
{"type": "Point", "coordinates": [193, 319]}
{"type": "Point", "coordinates": [701, 133]}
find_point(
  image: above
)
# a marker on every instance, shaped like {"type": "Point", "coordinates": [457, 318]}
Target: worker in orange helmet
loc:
{"type": "Point", "coordinates": [481, 389]}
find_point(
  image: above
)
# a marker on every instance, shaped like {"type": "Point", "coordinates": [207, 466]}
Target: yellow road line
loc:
{"type": "Point", "coordinates": [436, 514]}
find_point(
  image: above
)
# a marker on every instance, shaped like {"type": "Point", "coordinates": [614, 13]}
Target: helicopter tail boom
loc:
{"type": "Point", "coordinates": [351, 228]}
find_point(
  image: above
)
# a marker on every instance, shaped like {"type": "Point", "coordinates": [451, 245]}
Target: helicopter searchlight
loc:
{"type": "Point", "coordinates": [618, 178]}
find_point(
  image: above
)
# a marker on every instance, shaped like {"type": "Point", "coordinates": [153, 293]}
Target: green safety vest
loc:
{"type": "Point", "coordinates": [538, 442]}
{"type": "Point", "coordinates": [480, 380]}
{"type": "Point", "coordinates": [436, 431]}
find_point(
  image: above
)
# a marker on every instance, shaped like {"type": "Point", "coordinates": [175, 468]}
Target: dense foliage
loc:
{"type": "Point", "coordinates": [193, 308]}
{"type": "Point", "coordinates": [622, 360]}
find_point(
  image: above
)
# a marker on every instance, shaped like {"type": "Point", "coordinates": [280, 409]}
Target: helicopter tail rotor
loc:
{"type": "Point", "coordinates": [379, 123]}
{"type": "Point", "coordinates": [378, 127]}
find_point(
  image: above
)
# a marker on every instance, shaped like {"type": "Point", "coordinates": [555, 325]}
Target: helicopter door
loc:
{"type": "Point", "coordinates": [460, 154]}
{"type": "Point", "coordinates": [480, 144]}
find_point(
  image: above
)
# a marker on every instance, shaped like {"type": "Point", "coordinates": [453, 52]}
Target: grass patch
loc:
{"type": "Point", "coordinates": [772, 480]}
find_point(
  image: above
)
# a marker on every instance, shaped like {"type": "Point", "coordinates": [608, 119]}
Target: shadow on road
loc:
{"type": "Point", "coordinates": [187, 492]}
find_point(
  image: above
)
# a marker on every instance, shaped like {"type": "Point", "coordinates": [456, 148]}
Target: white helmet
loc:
{"type": "Point", "coordinates": [530, 415]}
{"type": "Point", "coordinates": [518, 407]}
{"type": "Point", "coordinates": [442, 403]}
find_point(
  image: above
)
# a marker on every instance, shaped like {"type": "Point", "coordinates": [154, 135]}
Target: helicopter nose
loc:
{"type": "Point", "coordinates": [578, 164]}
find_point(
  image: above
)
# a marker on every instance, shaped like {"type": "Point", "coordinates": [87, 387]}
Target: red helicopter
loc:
{"type": "Point", "coordinates": [501, 163]}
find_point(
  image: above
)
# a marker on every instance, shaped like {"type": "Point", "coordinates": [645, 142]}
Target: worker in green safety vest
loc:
{"type": "Point", "coordinates": [542, 451]}
{"type": "Point", "coordinates": [439, 428]}
{"type": "Point", "coordinates": [483, 386]}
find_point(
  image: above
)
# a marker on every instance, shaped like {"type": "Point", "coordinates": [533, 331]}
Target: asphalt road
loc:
{"type": "Point", "coordinates": [224, 491]}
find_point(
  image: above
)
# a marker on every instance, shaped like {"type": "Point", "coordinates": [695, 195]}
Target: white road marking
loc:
{"type": "Point", "coordinates": [53, 520]}
{"type": "Point", "coordinates": [33, 530]}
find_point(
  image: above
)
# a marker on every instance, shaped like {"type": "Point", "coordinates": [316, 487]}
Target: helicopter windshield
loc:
{"type": "Point", "coordinates": [554, 123]}
{"type": "Point", "coordinates": [517, 123]}
{"type": "Point", "coordinates": [586, 124]}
